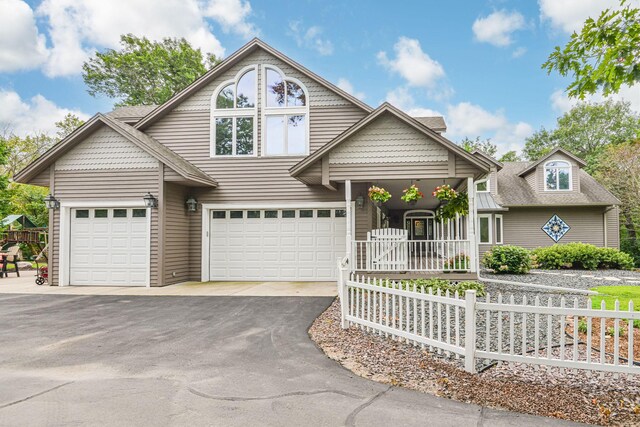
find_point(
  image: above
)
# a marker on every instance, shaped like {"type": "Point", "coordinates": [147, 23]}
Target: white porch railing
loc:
{"type": "Point", "coordinates": [558, 336]}
{"type": "Point", "coordinates": [401, 255]}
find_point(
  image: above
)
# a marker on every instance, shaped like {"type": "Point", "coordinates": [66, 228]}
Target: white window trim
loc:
{"type": "Point", "coordinates": [234, 113]}
{"type": "Point", "coordinates": [501, 229]}
{"type": "Point", "coordinates": [557, 180]}
{"type": "Point", "coordinates": [282, 111]}
{"type": "Point", "coordinates": [64, 240]}
{"type": "Point", "coordinates": [206, 221]}
{"type": "Point", "coordinates": [488, 190]}
{"type": "Point", "coordinates": [480, 242]}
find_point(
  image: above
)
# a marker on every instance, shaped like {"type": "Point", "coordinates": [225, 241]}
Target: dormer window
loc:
{"type": "Point", "coordinates": [557, 175]}
{"type": "Point", "coordinates": [286, 115]}
{"type": "Point", "coordinates": [234, 116]}
{"type": "Point", "coordinates": [482, 186]}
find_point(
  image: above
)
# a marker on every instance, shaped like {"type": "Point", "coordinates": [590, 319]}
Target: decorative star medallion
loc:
{"type": "Point", "coordinates": [556, 228]}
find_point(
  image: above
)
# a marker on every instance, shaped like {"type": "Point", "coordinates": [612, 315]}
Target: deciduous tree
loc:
{"type": "Point", "coordinates": [604, 55]}
{"type": "Point", "coordinates": [145, 72]}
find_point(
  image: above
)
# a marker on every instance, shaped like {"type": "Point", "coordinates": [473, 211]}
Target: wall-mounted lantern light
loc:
{"type": "Point", "coordinates": [150, 201]}
{"type": "Point", "coordinates": [360, 201]}
{"type": "Point", "coordinates": [192, 204]}
{"type": "Point", "coordinates": [51, 202]}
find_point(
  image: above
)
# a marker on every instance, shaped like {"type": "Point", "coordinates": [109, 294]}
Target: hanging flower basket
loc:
{"type": "Point", "coordinates": [378, 195]}
{"type": "Point", "coordinates": [412, 194]}
{"type": "Point", "coordinates": [452, 203]}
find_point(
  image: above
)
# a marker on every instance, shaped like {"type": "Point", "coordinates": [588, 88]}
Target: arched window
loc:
{"type": "Point", "coordinates": [557, 175]}
{"type": "Point", "coordinates": [285, 115]}
{"type": "Point", "coordinates": [234, 116]}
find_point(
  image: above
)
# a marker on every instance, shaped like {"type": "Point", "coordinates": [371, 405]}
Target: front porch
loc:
{"type": "Point", "coordinates": [402, 240]}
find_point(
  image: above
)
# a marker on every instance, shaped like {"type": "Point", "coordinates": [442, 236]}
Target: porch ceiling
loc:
{"type": "Point", "coordinates": [427, 186]}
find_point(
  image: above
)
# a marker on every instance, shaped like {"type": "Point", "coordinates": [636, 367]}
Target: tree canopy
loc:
{"type": "Point", "coordinates": [604, 55]}
{"type": "Point", "coordinates": [510, 156]}
{"type": "Point", "coordinates": [586, 130]}
{"type": "Point", "coordinates": [17, 152]}
{"type": "Point", "coordinates": [486, 146]}
{"type": "Point", "coordinates": [619, 171]}
{"type": "Point", "coordinates": [145, 72]}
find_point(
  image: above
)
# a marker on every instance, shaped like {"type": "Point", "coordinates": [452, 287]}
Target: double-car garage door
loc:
{"type": "Point", "coordinates": [276, 244]}
{"type": "Point", "coordinates": [109, 246]}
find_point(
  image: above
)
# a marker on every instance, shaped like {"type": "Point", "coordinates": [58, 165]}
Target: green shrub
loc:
{"type": "Point", "coordinates": [581, 255]}
{"type": "Point", "coordinates": [508, 259]}
{"type": "Point", "coordinates": [436, 284]}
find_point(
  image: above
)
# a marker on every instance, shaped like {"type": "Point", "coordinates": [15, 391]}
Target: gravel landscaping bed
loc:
{"type": "Point", "coordinates": [574, 395]}
{"type": "Point", "coordinates": [578, 279]}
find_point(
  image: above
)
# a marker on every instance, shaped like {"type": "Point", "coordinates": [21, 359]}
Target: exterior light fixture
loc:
{"type": "Point", "coordinates": [150, 201]}
{"type": "Point", "coordinates": [51, 202]}
{"type": "Point", "coordinates": [192, 204]}
{"type": "Point", "coordinates": [360, 201]}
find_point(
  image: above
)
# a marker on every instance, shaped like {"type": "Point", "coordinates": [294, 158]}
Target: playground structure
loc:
{"type": "Point", "coordinates": [35, 238]}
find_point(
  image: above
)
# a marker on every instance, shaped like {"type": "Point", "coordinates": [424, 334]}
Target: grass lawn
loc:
{"type": "Point", "coordinates": [622, 293]}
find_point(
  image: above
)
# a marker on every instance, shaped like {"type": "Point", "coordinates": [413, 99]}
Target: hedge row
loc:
{"type": "Point", "coordinates": [517, 260]}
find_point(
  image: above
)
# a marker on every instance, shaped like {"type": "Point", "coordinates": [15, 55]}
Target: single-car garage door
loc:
{"type": "Point", "coordinates": [109, 246]}
{"type": "Point", "coordinates": [278, 244]}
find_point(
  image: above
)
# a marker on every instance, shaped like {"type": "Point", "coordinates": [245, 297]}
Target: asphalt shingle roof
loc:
{"type": "Point", "coordinates": [434, 123]}
{"type": "Point", "coordinates": [131, 113]}
{"type": "Point", "coordinates": [513, 190]}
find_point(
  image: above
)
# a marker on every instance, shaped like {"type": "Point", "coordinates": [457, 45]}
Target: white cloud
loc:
{"type": "Point", "coordinates": [498, 27]}
{"type": "Point", "coordinates": [310, 38]}
{"type": "Point", "coordinates": [561, 103]}
{"type": "Point", "coordinates": [232, 15]}
{"type": "Point", "coordinates": [569, 15]}
{"type": "Point", "coordinates": [402, 98]}
{"type": "Point", "coordinates": [78, 27]}
{"type": "Point", "coordinates": [519, 52]}
{"type": "Point", "coordinates": [414, 65]}
{"type": "Point", "coordinates": [469, 120]}
{"type": "Point", "coordinates": [21, 45]}
{"type": "Point", "coordinates": [38, 114]}
{"type": "Point", "coordinates": [346, 85]}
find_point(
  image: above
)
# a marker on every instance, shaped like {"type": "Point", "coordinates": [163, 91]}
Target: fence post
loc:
{"type": "Point", "coordinates": [470, 331]}
{"type": "Point", "coordinates": [343, 294]}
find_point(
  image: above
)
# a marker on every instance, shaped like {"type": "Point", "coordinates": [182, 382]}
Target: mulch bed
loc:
{"type": "Point", "coordinates": [623, 337]}
{"type": "Point", "coordinates": [400, 364]}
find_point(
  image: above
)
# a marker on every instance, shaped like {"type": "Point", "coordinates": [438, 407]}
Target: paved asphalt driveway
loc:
{"type": "Point", "coordinates": [242, 361]}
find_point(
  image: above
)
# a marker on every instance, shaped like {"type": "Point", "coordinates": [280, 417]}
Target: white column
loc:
{"type": "Point", "coordinates": [347, 196]}
{"type": "Point", "coordinates": [471, 225]}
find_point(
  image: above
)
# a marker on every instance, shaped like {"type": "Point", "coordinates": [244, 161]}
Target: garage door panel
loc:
{"type": "Point", "coordinates": [108, 250]}
{"type": "Point", "coordinates": [300, 248]}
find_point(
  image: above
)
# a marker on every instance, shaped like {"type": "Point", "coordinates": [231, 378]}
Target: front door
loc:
{"type": "Point", "coordinates": [420, 228]}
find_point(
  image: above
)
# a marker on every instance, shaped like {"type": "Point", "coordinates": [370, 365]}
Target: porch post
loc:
{"type": "Point", "coordinates": [471, 225]}
{"type": "Point", "coordinates": [347, 196]}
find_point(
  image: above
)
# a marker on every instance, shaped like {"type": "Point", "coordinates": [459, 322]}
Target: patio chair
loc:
{"type": "Point", "coordinates": [13, 256]}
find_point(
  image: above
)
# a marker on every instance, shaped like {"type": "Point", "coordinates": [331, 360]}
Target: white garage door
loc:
{"type": "Point", "coordinates": [272, 245]}
{"type": "Point", "coordinates": [109, 247]}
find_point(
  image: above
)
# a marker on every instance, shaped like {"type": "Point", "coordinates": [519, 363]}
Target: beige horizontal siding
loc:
{"type": "Point", "coordinates": [523, 226]}
{"type": "Point", "coordinates": [43, 179]}
{"type": "Point", "coordinates": [373, 172]}
{"type": "Point", "coordinates": [176, 235]}
{"type": "Point", "coordinates": [613, 228]}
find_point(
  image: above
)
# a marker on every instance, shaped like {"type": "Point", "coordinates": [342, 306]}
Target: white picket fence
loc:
{"type": "Point", "coordinates": [397, 254]}
{"type": "Point", "coordinates": [464, 326]}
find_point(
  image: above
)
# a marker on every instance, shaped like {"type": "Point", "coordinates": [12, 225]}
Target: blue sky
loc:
{"type": "Point", "coordinates": [475, 62]}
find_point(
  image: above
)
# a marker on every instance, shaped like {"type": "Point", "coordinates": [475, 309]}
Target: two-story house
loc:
{"type": "Point", "coordinates": [259, 171]}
